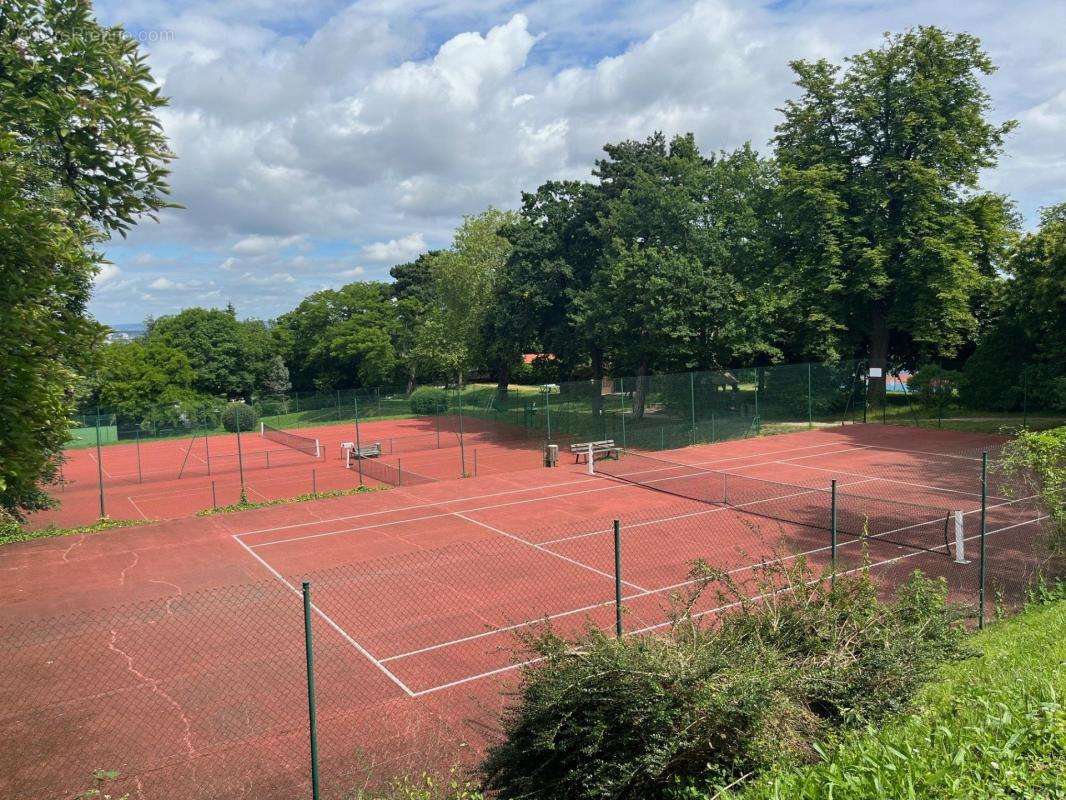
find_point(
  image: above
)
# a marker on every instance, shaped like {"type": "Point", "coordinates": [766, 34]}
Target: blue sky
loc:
{"type": "Point", "coordinates": [322, 142]}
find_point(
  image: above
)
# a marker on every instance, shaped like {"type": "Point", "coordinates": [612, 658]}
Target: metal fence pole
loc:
{"type": "Point", "coordinates": [358, 444]}
{"type": "Point", "coordinates": [618, 578]}
{"type": "Point", "coordinates": [314, 483]}
{"type": "Point", "coordinates": [214, 500]}
{"type": "Point", "coordinates": [692, 402]}
{"type": "Point", "coordinates": [100, 465]}
{"type": "Point", "coordinates": [207, 446]}
{"type": "Point", "coordinates": [548, 412]}
{"type": "Point", "coordinates": [240, 456]}
{"type": "Point", "coordinates": [758, 424]}
{"type": "Point", "coordinates": [311, 711]}
{"type": "Point", "coordinates": [1025, 396]}
{"type": "Point", "coordinates": [833, 533]}
{"type": "Point", "coordinates": [475, 462]}
{"type": "Point", "coordinates": [462, 439]}
{"type": "Point", "coordinates": [622, 400]}
{"type": "Point", "coordinates": [810, 406]}
{"type": "Point", "coordinates": [984, 532]}
{"type": "Point", "coordinates": [140, 475]}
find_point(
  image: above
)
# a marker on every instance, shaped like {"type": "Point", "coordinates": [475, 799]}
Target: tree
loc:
{"type": "Point", "coordinates": [276, 378]}
{"type": "Point", "coordinates": [1020, 356]}
{"type": "Point", "coordinates": [886, 156]}
{"type": "Point", "coordinates": [453, 336]}
{"type": "Point", "coordinates": [133, 379]}
{"type": "Point", "coordinates": [342, 338]}
{"type": "Point", "coordinates": [82, 154]}
{"type": "Point", "coordinates": [217, 346]}
{"type": "Point", "coordinates": [412, 289]}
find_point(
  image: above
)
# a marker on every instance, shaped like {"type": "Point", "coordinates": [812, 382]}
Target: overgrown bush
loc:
{"type": "Point", "coordinates": [935, 387]}
{"type": "Point", "coordinates": [647, 715]}
{"type": "Point", "coordinates": [1034, 464]}
{"type": "Point", "coordinates": [238, 415]}
{"type": "Point", "coordinates": [429, 400]}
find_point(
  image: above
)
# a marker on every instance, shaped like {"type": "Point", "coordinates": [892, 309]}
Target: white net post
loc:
{"type": "Point", "coordinates": [591, 461]}
{"type": "Point", "coordinates": [960, 540]}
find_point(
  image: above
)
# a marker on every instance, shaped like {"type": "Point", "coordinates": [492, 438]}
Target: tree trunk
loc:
{"type": "Point", "coordinates": [503, 380]}
{"type": "Point", "coordinates": [640, 392]}
{"type": "Point", "coordinates": [878, 355]}
{"type": "Point", "coordinates": [411, 379]}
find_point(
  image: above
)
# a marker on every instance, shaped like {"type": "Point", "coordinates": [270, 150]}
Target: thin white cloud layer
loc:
{"type": "Point", "coordinates": [323, 142]}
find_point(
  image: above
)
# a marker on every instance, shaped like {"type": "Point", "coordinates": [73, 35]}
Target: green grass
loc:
{"type": "Point", "coordinates": [245, 505]}
{"type": "Point", "coordinates": [994, 726]}
{"type": "Point", "coordinates": [12, 532]}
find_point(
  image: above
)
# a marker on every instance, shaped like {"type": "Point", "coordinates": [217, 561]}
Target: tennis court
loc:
{"type": "Point", "coordinates": [419, 593]}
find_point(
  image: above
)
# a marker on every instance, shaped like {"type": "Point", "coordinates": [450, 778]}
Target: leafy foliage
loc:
{"type": "Point", "coordinates": [239, 416]}
{"type": "Point", "coordinates": [1038, 462]}
{"type": "Point", "coordinates": [429, 400]}
{"type": "Point", "coordinates": [81, 154]}
{"type": "Point", "coordinates": [640, 716]}
{"type": "Point", "coordinates": [935, 387]}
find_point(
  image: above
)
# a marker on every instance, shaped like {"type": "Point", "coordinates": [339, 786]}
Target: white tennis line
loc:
{"type": "Point", "coordinates": [344, 634]}
{"type": "Point", "coordinates": [545, 550]}
{"type": "Point", "coordinates": [923, 452]}
{"type": "Point", "coordinates": [629, 525]}
{"type": "Point", "coordinates": [884, 562]}
{"type": "Point", "coordinates": [671, 587]}
{"type": "Point", "coordinates": [134, 504]}
{"type": "Point", "coordinates": [600, 487]}
{"type": "Point", "coordinates": [891, 480]}
{"type": "Point", "coordinates": [310, 523]}
{"type": "Point", "coordinates": [504, 492]}
{"type": "Point", "coordinates": [103, 469]}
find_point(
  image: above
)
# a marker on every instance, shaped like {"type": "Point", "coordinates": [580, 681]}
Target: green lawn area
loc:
{"type": "Point", "coordinates": [993, 726]}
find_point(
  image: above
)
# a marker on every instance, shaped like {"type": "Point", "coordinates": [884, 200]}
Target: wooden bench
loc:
{"type": "Point", "coordinates": [604, 448]}
{"type": "Point", "coordinates": [366, 451]}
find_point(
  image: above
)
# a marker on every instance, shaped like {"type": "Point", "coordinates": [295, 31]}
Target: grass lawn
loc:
{"type": "Point", "coordinates": [993, 726]}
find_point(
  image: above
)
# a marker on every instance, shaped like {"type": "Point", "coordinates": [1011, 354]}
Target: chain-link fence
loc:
{"type": "Point", "coordinates": [333, 680]}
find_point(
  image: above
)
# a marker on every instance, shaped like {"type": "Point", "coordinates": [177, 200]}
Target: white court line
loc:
{"type": "Point", "coordinates": [137, 507]}
{"type": "Point", "coordinates": [891, 480]}
{"type": "Point", "coordinates": [600, 487]}
{"type": "Point", "coordinates": [629, 525]}
{"type": "Point", "coordinates": [543, 549]}
{"type": "Point", "coordinates": [509, 491]}
{"type": "Point", "coordinates": [344, 634]}
{"type": "Point", "coordinates": [508, 668]}
{"type": "Point", "coordinates": [671, 587]}
{"type": "Point", "coordinates": [103, 469]}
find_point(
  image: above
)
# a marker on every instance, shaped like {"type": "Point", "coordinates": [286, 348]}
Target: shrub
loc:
{"type": "Point", "coordinates": [429, 400]}
{"type": "Point", "coordinates": [1034, 465]}
{"type": "Point", "coordinates": [935, 387]}
{"type": "Point", "coordinates": [238, 414]}
{"type": "Point", "coordinates": [641, 717]}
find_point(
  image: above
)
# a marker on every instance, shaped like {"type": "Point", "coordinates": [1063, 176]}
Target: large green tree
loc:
{"type": "Point", "coordinates": [879, 170]}
{"type": "Point", "coordinates": [342, 338]}
{"type": "Point", "coordinates": [134, 379]}
{"type": "Point", "coordinates": [82, 155]}
{"type": "Point", "coordinates": [1021, 355]}
{"type": "Point", "coordinates": [229, 357]}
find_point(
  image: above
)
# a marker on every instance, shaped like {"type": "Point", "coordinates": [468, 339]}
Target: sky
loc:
{"type": "Point", "coordinates": [321, 142]}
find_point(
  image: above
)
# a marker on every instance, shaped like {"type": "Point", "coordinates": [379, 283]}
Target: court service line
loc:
{"type": "Point", "coordinates": [509, 667]}
{"type": "Point", "coordinates": [344, 634]}
{"type": "Point", "coordinates": [137, 507]}
{"type": "Point", "coordinates": [545, 550]}
{"type": "Point", "coordinates": [892, 480]}
{"type": "Point", "coordinates": [612, 486]}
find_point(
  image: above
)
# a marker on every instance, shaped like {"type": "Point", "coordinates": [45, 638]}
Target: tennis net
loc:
{"type": "Point", "coordinates": [305, 444]}
{"type": "Point", "coordinates": [922, 527]}
{"type": "Point", "coordinates": [383, 472]}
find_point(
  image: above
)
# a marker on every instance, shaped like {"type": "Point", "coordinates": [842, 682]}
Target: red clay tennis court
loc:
{"type": "Point", "coordinates": [174, 653]}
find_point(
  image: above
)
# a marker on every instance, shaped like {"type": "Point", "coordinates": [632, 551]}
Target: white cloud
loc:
{"type": "Point", "coordinates": [306, 134]}
{"type": "Point", "coordinates": [396, 250]}
{"type": "Point", "coordinates": [108, 273]}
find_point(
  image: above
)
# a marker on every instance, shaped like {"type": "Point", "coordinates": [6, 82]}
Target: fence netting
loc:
{"type": "Point", "coordinates": [205, 695]}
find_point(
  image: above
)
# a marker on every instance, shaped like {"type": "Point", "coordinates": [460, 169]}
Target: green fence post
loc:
{"type": "Point", "coordinates": [462, 440]}
{"type": "Point", "coordinates": [140, 476]}
{"type": "Point", "coordinates": [207, 446]}
{"type": "Point", "coordinates": [312, 716]}
{"type": "Point", "coordinates": [984, 532]}
{"type": "Point", "coordinates": [618, 578]}
{"type": "Point", "coordinates": [314, 483]}
{"type": "Point", "coordinates": [833, 533]}
{"type": "Point", "coordinates": [810, 407]}
{"type": "Point", "coordinates": [622, 400]}
{"type": "Point", "coordinates": [1025, 396]}
{"type": "Point", "coordinates": [100, 465]}
{"type": "Point", "coordinates": [358, 444]}
{"type": "Point", "coordinates": [240, 458]}
{"type": "Point", "coordinates": [548, 412]}
{"type": "Point", "coordinates": [692, 402]}
{"type": "Point", "coordinates": [714, 437]}
{"type": "Point", "coordinates": [757, 421]}
{"type": "Point", "coordinates": [214, 498]}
